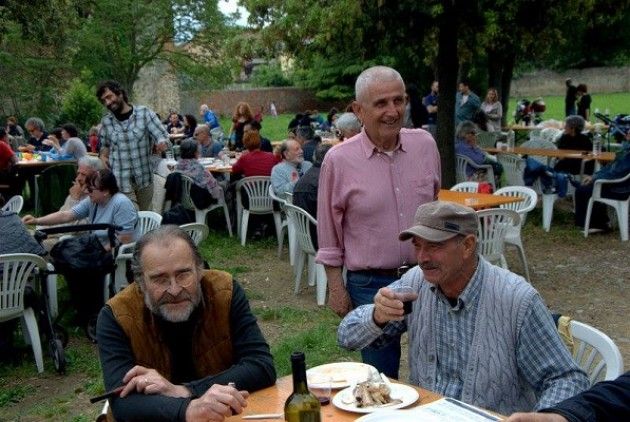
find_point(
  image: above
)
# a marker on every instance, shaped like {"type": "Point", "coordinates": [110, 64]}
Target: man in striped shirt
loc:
{"type": "Point", "coordinates": [477, 332]}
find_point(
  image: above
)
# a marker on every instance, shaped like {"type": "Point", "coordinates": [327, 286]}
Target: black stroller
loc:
{"type": "Point", "coordinates": [85, 264]}
{"type": "Point", "coordinates": [618, 126]}
{"type": "Point", "coordinates": [529, 112]}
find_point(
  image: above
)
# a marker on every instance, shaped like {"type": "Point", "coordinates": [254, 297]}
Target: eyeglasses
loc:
{"type": "Point", "coordinates": [183, 278]}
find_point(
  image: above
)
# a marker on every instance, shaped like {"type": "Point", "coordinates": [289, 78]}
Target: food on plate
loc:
{"type": "Point", "coordinates": [369, 394]}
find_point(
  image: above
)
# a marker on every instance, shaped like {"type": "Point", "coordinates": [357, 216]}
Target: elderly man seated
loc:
{"type": "Point", "coordinates": [466, 145]}
{"type": "Point", "coordinates": [285, 174]}
{"type": "Point", "coordinates": [181, 340]}
{"type": "Point", "coordinates": [477, 332]}
{"type": "Point", "coordinates": [207, 146]}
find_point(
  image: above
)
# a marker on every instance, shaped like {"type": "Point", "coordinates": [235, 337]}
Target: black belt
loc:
{"type": "Point", "coordinates": [388, 272]}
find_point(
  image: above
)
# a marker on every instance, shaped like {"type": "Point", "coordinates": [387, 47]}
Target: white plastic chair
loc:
{"type": "Point", "coordinates": [16, 270]}
{"type": "Point", "coordinates": [595, 353]}
{"type": "Point", "coordinates": [460, 170]}
{"type": "Point", "coordinates": [620, 206]}
{"type": "Point", "coordinates": [491, 231]}
{"type": "Point", "coordinates": [550, 134]}
{"type": "Point", "coordinates": [513, 235]}
{"type": "Point", "coordinates": [147, 221]}
{"type": "Point", "coordinates": [257, 189]}
{"type": "Point", "coordinates": [466, 187]}
{"type": "Point", "coordinates": [197, 231]}
{"type": "Point", "coordinates": [316, 273]}
{"type": "Point", "coordinates": [513, 168]}
{"type": "Point", "coordinates": [281, 222]}
{"type": "Point", "coordinates": [14, 204]}
{"type": "Point", "coordinates": [200, 215]}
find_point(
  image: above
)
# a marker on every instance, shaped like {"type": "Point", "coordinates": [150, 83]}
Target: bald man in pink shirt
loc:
{"type": "Point", "coordinates": [369, 189]}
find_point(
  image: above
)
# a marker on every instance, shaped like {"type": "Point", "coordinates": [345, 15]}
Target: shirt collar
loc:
{"type": "Point", "coordinates": [471, 292]}
{"type": "Point", "coordinates": [369, 149]}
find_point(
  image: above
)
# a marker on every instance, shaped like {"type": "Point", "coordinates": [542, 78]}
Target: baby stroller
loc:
{"type": "Point", "coordinates": [617, 126]}
{"type": "Point", "coordinates": [530, 112]}
{"type": "Point", "coordinates": [85, 264]}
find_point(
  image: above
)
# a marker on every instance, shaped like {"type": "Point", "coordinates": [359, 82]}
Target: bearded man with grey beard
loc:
{"type": "Point", "coordinates": [181, 340]}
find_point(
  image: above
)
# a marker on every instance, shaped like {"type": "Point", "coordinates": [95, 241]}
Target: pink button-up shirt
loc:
{"type": "Point", "coordinates": [366, 198]}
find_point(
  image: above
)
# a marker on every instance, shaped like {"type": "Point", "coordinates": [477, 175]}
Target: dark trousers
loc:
{"type": "Point", "coordinates": [362, 286]}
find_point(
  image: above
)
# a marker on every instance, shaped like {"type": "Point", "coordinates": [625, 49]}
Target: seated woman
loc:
{"type": "Point", "coordinates": [466, 145]}
{"type": "Point", "coordinates": [210, 190]}
{"type": "Point", "coordinates": [254, 162]}
{"type": "Point", "coordinates": [104, 204]}
{"type": "Point", "coordinates": [573, 138]}
{"type": "Point", "coordinates": [190, 123]}
{"type": "Point", "coordinates": [617, 169]}
{"type": "Point", "coordinates": [66, 143]}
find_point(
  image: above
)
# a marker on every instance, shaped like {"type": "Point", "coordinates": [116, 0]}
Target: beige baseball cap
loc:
{"type": "Point", "coordinates": [438, 221]}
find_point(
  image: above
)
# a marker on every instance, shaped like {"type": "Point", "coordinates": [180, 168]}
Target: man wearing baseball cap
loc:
{"type": "Point", "coordinates": [477, 332]}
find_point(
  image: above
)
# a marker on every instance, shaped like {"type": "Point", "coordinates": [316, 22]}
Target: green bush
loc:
{"type": "Point", "coordinates": [270, 75]}
{"type": "Point", "coordinates": [80, 106]}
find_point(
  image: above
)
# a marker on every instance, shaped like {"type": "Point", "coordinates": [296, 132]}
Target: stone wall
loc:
{"type": "Point", "coordinates": [287, 100]}
{"type": "Point", "coordinates": [157, 88]}
{"type": "Point", "coordinates": [547, 82]}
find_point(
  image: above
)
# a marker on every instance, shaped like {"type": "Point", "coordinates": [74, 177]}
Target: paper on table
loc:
{"type": "Point", "coordinates": [448, 409]}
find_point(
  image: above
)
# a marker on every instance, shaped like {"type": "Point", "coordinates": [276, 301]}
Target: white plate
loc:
{"type": "Point", "coordinates": [408, 395]}
{"type": "Point", "coordinates": [340, 374]}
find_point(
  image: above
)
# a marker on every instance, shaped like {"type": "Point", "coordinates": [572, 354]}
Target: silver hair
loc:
{"type": "Point", "coordinates": [164, 235]}
{"type": "Point", "coordinates": [91, 162]}
{"type": "Point", "coordinates": [204, 107]}
{"type": "Point", "coordinates": [205, 128]}
{"type": "Point", "coordinates": [372, 75]}
{"type": "Point", "coordinates": [575, 122]}
{"type": "Point", "coordinates": [464, 128]}
{"type": "Point", "coordinates": [35, 121]}
{"type": "Point", "coordinates": [348, 122]}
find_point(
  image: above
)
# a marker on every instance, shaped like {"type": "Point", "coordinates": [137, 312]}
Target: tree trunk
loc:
{"type": "Point", "coordinates": [506, 81]}
{"type": "Point", "coordinates": [447, 67]}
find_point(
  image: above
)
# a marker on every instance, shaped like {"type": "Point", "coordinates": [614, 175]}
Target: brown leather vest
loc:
{"type": "Point", "coordinates": [212, 344]}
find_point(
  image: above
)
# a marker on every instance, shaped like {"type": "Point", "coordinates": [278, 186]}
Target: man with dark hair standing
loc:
{"type": "Point", "coordinates": [369, 189]}
{"type": "Point", "coordinates": [129, 135]}
{"type": "Point", "coordinates": [467, 103]}
{"type": "Point", "coordinates": [181, 340]}
{"type": "Point", "coordinates": [570, 98]}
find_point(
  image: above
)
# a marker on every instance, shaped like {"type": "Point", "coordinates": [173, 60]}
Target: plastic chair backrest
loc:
{"type": "Point", "coordinates": [14, 204]}
{"type": "Point", "coordinates": [147, 221]}
{"type": "Point", "coordinates": [466, 187]}
{"type": "Point", "coordinates": [276, 198]}
{"type": "Point", "coordinates": [530, 198]}
{"type": "Point", "coordinates": [539, 143]}
{"type": "Point", "coordinates": [487, 139]}
{"type": "Point", "coordinates": [302, 221]}
{"type": "Point", "coordinates": [462, 162]}
{"type": "Point", "coordinates": [595, 353]}
{"type": "Point", "coordinates": [257, 188]}
{"type": "Point", "coordinates": [513, 168]}
{"type": "Point", "coordinates": [491, 230]}
{"type": "Point", "coordinates": [15, 270]}
{"type": "Point", "coordinates": [197, 231]}
{"type": "Point", "coordinates": [186, 200]}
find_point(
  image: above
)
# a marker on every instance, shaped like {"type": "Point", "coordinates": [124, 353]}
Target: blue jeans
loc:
{"type": "Point", "coordinates": [362, 286]}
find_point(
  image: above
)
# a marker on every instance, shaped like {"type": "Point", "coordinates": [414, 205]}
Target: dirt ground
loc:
{"type": "Point", "coordinates": [585, 278]}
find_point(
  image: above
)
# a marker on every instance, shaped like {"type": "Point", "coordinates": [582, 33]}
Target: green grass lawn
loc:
{"type": "Point", "coordinates": [616, 103]}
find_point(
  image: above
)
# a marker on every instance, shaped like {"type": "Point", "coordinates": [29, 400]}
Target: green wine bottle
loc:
{"type": "Point", "coordinates": [301, 406]}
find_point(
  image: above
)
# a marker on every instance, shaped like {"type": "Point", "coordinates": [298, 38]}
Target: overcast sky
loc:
{"type": "Point", "coordinates": [230, 6]}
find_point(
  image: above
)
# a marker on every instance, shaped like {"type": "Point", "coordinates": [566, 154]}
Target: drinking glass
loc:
{"type": "Point", "coordinates": [321, 390]}
{"type": "Point", "coordinates": [407, 295]}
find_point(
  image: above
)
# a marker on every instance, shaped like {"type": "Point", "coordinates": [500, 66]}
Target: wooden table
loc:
{"type": "Point", "coordinates": [475, 200]}
{"type": "Point", "coordinates": [271, 400]}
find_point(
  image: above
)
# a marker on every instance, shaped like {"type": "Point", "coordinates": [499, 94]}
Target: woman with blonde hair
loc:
{"type": "Point", "coordinates": [493, 110]}
{"type": "Point", "coordinates": [242, 114]}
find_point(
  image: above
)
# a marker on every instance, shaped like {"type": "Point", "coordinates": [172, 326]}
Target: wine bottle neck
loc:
{"type": "Point", "coordinates": [299, 377]}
